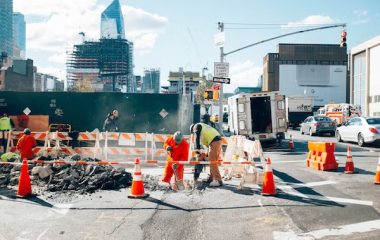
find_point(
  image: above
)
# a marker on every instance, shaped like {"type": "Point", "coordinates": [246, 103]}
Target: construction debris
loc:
{"type": "Point", "coordinates": [59, 177]}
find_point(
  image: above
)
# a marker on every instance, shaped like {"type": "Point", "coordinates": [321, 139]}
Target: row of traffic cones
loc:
{"type": "Point", "coordinates": [138, 191]}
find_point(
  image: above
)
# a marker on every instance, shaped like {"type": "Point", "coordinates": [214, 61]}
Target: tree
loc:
{"type": "Point", "coordinates": [83, 85]}
{"type": "Point", "coordinates": [202, 87]}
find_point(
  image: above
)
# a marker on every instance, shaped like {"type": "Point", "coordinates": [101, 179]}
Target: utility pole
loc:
{"type": "Point", "coordinates": [220, 117]}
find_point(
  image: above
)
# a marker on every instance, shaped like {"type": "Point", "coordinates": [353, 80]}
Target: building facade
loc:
{"type": "Point", "coordinates": [105, 63]}
{"type": "Point", "coordinates": [19, 33]}
{"type": "Point", "coordinates": [112, 22]}
{"type": "Point", "coordinates": [247, 90]}
{"type": "Point", "coordinates": [18, 77]}
{"type": "Point", "coordinates": [312, 70]}
{"type": "Point", "coordinates": [6, 28]}
{"type": "Point", "coordinates": [176, 82]}
{"type": "Point", "coordinates": [365, 76]}
{"type": "Point", "coordinates": [151, 81]}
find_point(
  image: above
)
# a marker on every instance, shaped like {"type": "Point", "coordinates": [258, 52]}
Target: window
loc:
{"type": "Point", "coordinates": [281, 122]}
{"type": "Point", "coordinates": [322, 119]}
{"type": "Point", "coordinates": [373, 121]}
{"type": "Point", "coordinates": [241, 125]}
{"type": "Point", "coordinates": [280, 105]}
{"type": "Point", "coordinates": [241, 107]}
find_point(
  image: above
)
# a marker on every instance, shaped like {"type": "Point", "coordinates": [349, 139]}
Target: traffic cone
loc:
{"type": "Point", "coordinates": [24, 186]}
{"type": "Point", "coordinates": [291, 144]}
{"type": "Point", "coordinates": [377, 178]}
{"type": "Point", "coordinates": [269, 189]}
{"type": "Point", "coordinates": [137, 190]}
{"type": "Point", "coordinates": [349, 163]}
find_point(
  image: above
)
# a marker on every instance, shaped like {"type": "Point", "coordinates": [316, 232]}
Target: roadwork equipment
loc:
{"type": "Point", "coordinates": [291, 144]}
{"type": "Point", "coordinates": [137, 189]}
{"type": "Point", "coordinates": [349, 163]}
{"type": "Point", "coordinates": [321, 156]}
{"type": "Point", "coordinates": [178, 183]}
{"type": "Point", "coordinates": [269, 188]}
{"type": "Point", "coordinates": [24, 187]}
{"type": "Point", "coordinates": [377, 178]}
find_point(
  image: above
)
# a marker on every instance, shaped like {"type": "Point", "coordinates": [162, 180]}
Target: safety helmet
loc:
{"type": "Point", "coordinates": [27, 131]}
{"type": "Point", "coordinates": [191, 128]}
{"type": "Point", "coordinates": [178, 137]}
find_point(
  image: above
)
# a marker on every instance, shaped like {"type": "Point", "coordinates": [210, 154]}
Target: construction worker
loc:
{"type": "Point", "coordinates": [26, 144]}
{"type": "Point", "coordinates": [109, 124]}
{"type": "Point", "coordinates": [115, 113]}
{"type": "Point", "coordinates": [178, 150]}
{"type": "Point", "coordinates": [6, 124]}
{"type": "Point", "coordinates": [211, 138]}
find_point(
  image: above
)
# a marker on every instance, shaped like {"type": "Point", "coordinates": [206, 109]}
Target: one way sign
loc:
{"type": "Point", "coordinates": [221, 80]}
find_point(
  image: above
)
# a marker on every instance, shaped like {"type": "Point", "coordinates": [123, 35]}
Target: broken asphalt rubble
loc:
{"type": "Point", "coordinates": [58, 177]}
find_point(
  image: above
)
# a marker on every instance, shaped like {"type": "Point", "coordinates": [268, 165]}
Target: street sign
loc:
{"type": "Point", "coordinates": [221, 69]}
{"type": "Point", "coordinates": [208, 102]}
{"type": "Point", "coordinates": [27, 111]}
{"type": "Point", "coordinates": [221, 80]}
{"type": "Point", "coordinates": [216, 87]}
{"type": "Point", "coordinates": [219, 40]}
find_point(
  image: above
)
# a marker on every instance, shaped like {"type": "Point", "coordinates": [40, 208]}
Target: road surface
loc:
{"type": "Point", "coordinates": [310, 204]}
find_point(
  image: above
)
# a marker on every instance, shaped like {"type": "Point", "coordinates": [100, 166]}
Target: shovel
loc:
{"type": "Point", "coordinates": [178, 183]}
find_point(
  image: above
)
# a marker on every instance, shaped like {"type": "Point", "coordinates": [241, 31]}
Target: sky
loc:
{"type": "Point", "coordinates": [169, 34]}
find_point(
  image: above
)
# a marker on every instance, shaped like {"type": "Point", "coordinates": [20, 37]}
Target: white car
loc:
{"type": "Point", "coordinates": [363, 130]}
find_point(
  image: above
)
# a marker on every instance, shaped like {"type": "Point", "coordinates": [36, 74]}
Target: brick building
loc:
{"type": "Point", "coordinates": [18, 77]}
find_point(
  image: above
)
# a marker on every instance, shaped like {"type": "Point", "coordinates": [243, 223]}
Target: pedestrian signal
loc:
{"type": "Point", "coordinates": [211, 95]}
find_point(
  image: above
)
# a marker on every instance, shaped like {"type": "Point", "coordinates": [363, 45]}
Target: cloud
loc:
{"type": "Point", "coordinates": [45, 8]}
{"type": "Point", "coordinates": [360, 13]}
{"type": "Point", "coordinates": [310, 21]}
{"type": "Point", "coordinates": [243, 74]}
{"type": "Point", "coordinates": [59, 58]}
{"type": "Point", "coordinates": [362, 21]}
{"type": "Point", "coordinates": [142, 28]}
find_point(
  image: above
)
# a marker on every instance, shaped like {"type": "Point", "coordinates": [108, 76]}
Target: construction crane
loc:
{"type": "Point", "coordinates": [83, 35]}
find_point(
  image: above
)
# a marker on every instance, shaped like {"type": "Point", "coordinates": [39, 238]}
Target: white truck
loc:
{"type": "Point", "coordinates": [298, 109]}
{"type": "Point", "coordinates": [258, 115]}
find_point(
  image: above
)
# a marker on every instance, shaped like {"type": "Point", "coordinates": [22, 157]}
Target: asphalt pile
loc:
{"type": "Point", "coordinates": [61, 177]}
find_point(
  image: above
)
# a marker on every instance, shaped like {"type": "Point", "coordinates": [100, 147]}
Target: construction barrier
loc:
{"type": "Point", "coordinates": [321, 156]}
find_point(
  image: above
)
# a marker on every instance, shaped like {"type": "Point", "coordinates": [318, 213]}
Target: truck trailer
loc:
{"type": "Point", "coordinates": [258, 115]}
{"type": "Point", "coordinates": [298, 109]}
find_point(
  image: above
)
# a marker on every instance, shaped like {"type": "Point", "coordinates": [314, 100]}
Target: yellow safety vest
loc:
{"type": "Point", "coordinates": [5, 124]}
{"type": "Point", "coordinates": [207, 134]}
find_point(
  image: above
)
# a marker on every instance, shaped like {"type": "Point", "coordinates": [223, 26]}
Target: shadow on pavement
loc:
{"type": "Point", "coordinates": [358, 170]}
{"type": "Point", "coordinates": [304, 190]}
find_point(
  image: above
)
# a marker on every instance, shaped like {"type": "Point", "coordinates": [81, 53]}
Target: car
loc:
{"type": "Point", "coordinates": [214, 117]}
{"type": "Point", "coordinates": [363, 130]}
{"type": "Point", "coordinates": [225, 117]}
{"type": "Point", "coordinates": [318, 125]}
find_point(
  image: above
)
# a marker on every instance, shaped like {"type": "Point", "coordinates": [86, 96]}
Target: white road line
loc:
{"type": "Point", "coordinates": [62, 209]}
{"type": "Point", "coordinates": [42, 234]}
{"type": "Point", "coordinates": [260, 203]}
{"type": "Point", "coordinates": [332, 199]}
{"type": "Point", "coordinates": [311, 184]}
{"type": "Point", "coordinates": [346, 229]}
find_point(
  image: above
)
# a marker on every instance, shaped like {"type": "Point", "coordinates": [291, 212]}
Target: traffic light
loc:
{"type": "Point", "coordinates": [211, 94]}
{"type": "Point", "coordinates": [343, 39]}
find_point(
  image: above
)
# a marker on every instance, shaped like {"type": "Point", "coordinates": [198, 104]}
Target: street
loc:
{"type": "Point", "coordinates": [310, 204]}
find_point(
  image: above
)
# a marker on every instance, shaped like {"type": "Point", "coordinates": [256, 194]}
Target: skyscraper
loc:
{"type": "Point", "coordinates": [151, 81]}
{"type": "Point", "coordinates": [6, 28]}
{"type": "Point", "coordinates": [19, 32]}
{"type": "Point", "coordinates": [112, 22]}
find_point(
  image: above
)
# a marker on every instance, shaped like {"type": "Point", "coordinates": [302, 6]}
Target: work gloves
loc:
{"type": "Point", "coordinates": [169, 149]}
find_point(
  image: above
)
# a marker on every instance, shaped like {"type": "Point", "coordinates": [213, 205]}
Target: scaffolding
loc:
{"type": "Point", "coordinates": [106, 62]}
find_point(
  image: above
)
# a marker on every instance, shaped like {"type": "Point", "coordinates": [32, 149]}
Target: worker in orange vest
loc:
{"type": "Point", "coordinates": [178, 150]}
{"type": "Point", "coordinates": [26, 144]}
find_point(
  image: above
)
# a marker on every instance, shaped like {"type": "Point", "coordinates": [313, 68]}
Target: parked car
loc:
{"type": "Point", "coordinates": [225, 117]}
{"type": "Point", "coordinates": [214, 117]}
{"type": "Point", "coordinates": [363, 130]}
{"type": "Point", "coordinates": [318, 125]}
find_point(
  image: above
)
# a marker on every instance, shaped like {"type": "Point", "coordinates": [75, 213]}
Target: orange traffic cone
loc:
{"type": "Point", "coordinates": [291, 144]}
{"type": "Point", "coordinates": [349, 163]}
{"type": "Point", "coordinates": [269, 189]}
{"type": "Point", "coordinates": [24, 186]}
{"type": "Point", "coordinates": [137, 190]}
{"type": "Point", "coordinates": [377, 178]}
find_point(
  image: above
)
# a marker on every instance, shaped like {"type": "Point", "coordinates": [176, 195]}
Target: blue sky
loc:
{"type": "Point", "coordinates": [160, 30]}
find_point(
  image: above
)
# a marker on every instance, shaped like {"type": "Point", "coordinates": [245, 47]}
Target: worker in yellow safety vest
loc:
{"type": "Point", "coordinates": [210, 137]}
{"type": "Point", "coordinates": [6, 123]}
